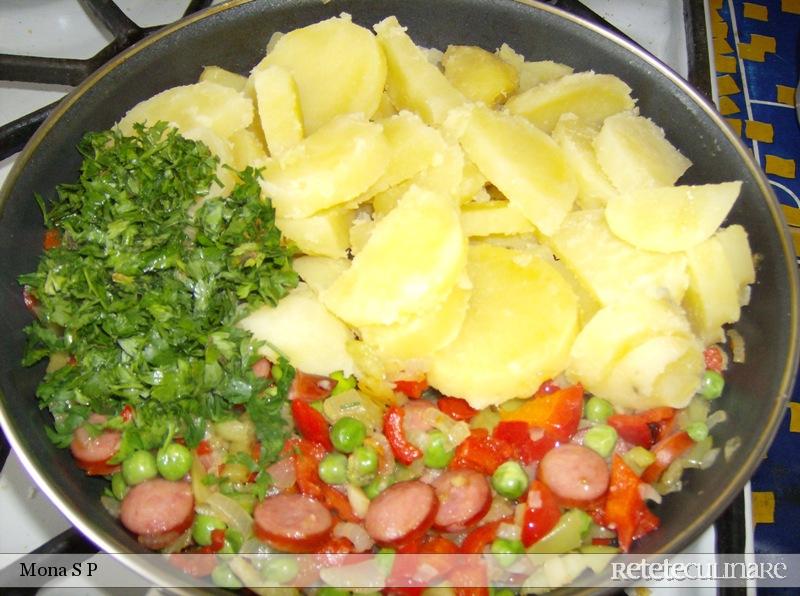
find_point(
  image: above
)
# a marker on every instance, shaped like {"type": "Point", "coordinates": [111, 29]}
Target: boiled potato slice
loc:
{"type": "Point", "coordinates": [575, 138]}
{"type": "Point", "coordinates": [330, 167]}
{"type": "Point", "coordinates": [385, 109]}
{"type": "Point", "coordinates": [611, 268]}
{"type": "Point", "coordinates": [220, 76]}
{"type": "Point", "coordinates": [587, 303]}
{"type": "Point", "coordinates": [420, 336]}
{"type": "Point", "coordinates": [493, 217]}
{"type": "Point", "coordinates": [737, 251]}
{"type": "Point", "coordinates": [326, 234]}
{"type": "Point", "coordinates": [524, 163]}
{"type": "Point", "coordinates": [208, 105]}
{"type": "Point", "coordinates": [532, 73]}
{"type": "Point", "coordinates": [671, 218]}
{"type": "Point", "coordinates": [319, 272]}
{"type": "Point", "coordinates": [664, 370]}
{"type": "Point", "coordinates": [278, 108]}
{"type": "Point", "coordinates": [479, 75]}
{"type": "Point", "coordinates": [338, 66]}
{"type": "Point", "coordinates": [618, 328]}
{"type": "Point", "coordinates": [384, 202]}
{"type": "Point", "coordinates": [410, 263]}
{"type": "Point", "coordinates": [412, 81]}
{"type": "Point", "coordinates": [634, 153]}
{"type": "Point", "coordinates": [312, 339]}
{"type": "Point", "coordinates": [592, 97]}
{"type": "Point", "coordinates": [472, 182]}
{"type": "Point", "coordinates": [247, 150]}
{"type": "Point", "coordinates": [713, 295]}
{"type": "Point", "coordinates": [359, 234]}
{"type": "Point", "coordinates": [520, 324]}
{"type": "Point", "coordinates": [446, 174]}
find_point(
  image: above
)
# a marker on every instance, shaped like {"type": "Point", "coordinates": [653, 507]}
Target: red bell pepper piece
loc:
{"type": "Point", "coordinates": [558, 413]}
{"type": "Point", "coordinates": [306, 456]}
{"type": "Point", "coordinates": [97, 468]}
{"type": "Point", "coordinates": [714, 358]}
{"type": "Point", "coordinates": [403, 451]}
{"type": "Point", "coordinates": [541, 514]}
{"type": "Point", "coordinates": [52, 239]}
{"type": "Point", "coordinates": [335, 500]}
{"type": "Point", "coordinates": [217, 540]}
{"type": "Point", "coordinates": [626, 511]}
{"type": "Point", "coordinates": [481, 537]}
{"type": "Point", "coordinates": [307, 387]}
{"type": "Point", "coordinates": [518, 434]}
{"type": "Point", "coordinates": [667, 451]}
{"type": "Point", "coordinates": [31, 302]}
{"type": "Point", "coordinates": [470, 579]}
{"type": "Point", "coordinates": [127, 413]}
{"type": "Point", "coordinates": [412, 388]}
{"type": "Point", "coordinates": [204, 447]}
{"type": "Point", "coordinates": [642, 428]}
{"type": "Point", "coordinates": [481, 452]}
{"type": "Point", "coordinates": [456, 408]}
{"type": "Point", "coordinates": [311, 424]}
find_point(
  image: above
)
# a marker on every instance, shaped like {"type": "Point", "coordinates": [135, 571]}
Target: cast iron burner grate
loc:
{"type": "Point", "coordinates": [67, 71]}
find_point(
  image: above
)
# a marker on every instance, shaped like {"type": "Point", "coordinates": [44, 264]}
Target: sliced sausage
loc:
{"type": "Point", "coordinates": [158, 506]}
{"type": "Point", "coordinates": [464, 498]}
{"type": "Point", "coordinates": [574, 472]}
{"type": "Point", "coordinates": [292, 523]}
{"type": "Point", "coordinates": [401, 513]}
{"type": "Point", "coordinates": [94, 450]}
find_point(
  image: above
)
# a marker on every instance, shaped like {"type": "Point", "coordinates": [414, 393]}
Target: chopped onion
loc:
{"type": "Point", "coordinates": [716, 418]}
{"type": "Point", "coordinates": [430, 475]}
{"type": "Point", "coordinates": [354, 404]}
{"type": "Point", "coordinates": [282, 473]}
{"type": "Point", "coordinates": [253, 546]}
{"type": "Point", "coordinates": [111, 505]}
{"type": "Point", "coordinates": [709, 459]}
{"type": "Point", "coordinates": [358, 500]}
{"type": "Point", "coordinates": [356, 534]}
{"type": "Point", "coordinates": [731, 445]}
{"type": "Point", "coordinates": [199, 488]}
{"type": "Point", "coordinates": [457, 432]}
{"type": "Point", "coordinates": [499, 509]}
{"type": "Point", "coordinates": [737, 345]}
{"type": "Point", "coordinates": [249, 575]}
{"type": "Point", "coordinates": [386, 461]}
{"type": "Point", "coordinates": [231, 513]}
{"type": "Point", "coordinates": [648, 493]}
{"type": "Point", "coordinates": [509, 531]}
{"type": "Point", "coordinates": [519, 514]}
{"type": "Point", "coordinates": [361, 575]}
{"type": "Point", "coordinates": [180, 543]}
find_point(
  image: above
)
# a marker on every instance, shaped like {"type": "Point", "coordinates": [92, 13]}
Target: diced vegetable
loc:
{"type": "Point", "coordinates": [510, 480]}
{"type": "Point", "coordinates": [712, 384]}
{"type": "Point", "coordinates": [311, 424]}
{"type": "Point", "coordinates": [625, 510]}
{"type": "Point", "coordinates": [558, 414]}
{"type": "Point", "coordinates": [404, 451]}
{"type": "Point", "coordinates": [567, 533]}
{"type": "Point", "coordinates": [333, 468]}
{"type": "Point", "coordinates": [601, 438]}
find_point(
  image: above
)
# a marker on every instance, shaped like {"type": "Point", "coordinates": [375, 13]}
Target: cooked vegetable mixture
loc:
{"type": "Point", "coordinates": [506, 340]}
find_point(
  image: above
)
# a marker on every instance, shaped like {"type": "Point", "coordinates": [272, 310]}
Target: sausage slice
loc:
{"type": "Point", "coordinates": [158, 506]}
{"type": "Point", "coordinates": [292, 523]}
{"type": "Point", "coordinates": [574, 472]}
{"type": "Point", "coordinates": [464, 498]}
{"type": "Point", "coordinates": [401, 513]}
{"type": "Point", "coordinates": [94, 450]}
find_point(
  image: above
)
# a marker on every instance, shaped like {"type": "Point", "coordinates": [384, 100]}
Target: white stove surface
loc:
{"type": "Point", "coordinates": [63, 28]}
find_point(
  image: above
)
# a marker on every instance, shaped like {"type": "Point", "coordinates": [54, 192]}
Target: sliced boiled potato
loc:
{"type": "Point", "coordinates": [384, 202]}
{"type": "Point", "coordinates": [472, 182]}
{"type": "Point", "coordinates": [359, 233]}
{"type": "Point", "coordinates": [665, 370]}
{"type": "Point", "coordinates": [414, 147]}
{"type": "Point", "coordinates": [611, 268]}
{"type": "Point", "coordinates": [208, 105]}
{"type": "Point", "coordinates": [576, 139]}
{"type": "Point", "coordinates": [587, 303]}
{"type": "Point", "coordinates": [635, 154]}
{"type": "Point", "coordinates": [520, 324]}
{"type": "Point", "coordinates": [412, 81]}
{"type": "Point", "coordinates": [418, 337]}
{"type": "Point", "coordinates": [330, 167]}
{"type": "Point", "coordinates": [278, 106]}
{"type": "Point", "coordinates": [302, 329]}
{"type": "Point", "coordinates": [325, 234]}
{"type": "Point", "coordinates": [479, 75]}
{"type": "Point", "coordinates": [712, 299]}
{"type": "Point", "coordinates": [410, 263]}
{"type": "Point", "coordinates": [247, 150]}
{"type": "Point", "coordinates": [338, 67]}
{"type": "Point", "coordinates": [524, 163]}
{"type": "Point", "coordinates": [493, 217]}
{"type": "Point", "coordinates": [385, 109]}
{"type": "Point", "coordinates": [446, 174]}
{"type": "Point", "coordinates": [671, 218]}
{"type": "Point", "coordinates": [319, 272]}
{"type": "Point", "coordinates": [592, 97]}
{"type": "Point", "coordinates": [226, 78]}
{"type": "Point", "coordinates": [532, 73]}
{"type": "Point", "coordinates": [738, 254]}
{"type": "Point", "coordinates": [618, 328]}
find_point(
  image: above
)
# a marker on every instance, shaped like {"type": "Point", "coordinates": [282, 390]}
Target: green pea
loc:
{"type": "Point", "coordinates": [343, 383]}
{"type": "Point", "coordinates": [712, 384]}
{"type": "Point", "coordinates": [118, 486]}
{"type": "Point", "coordinates": [280, 569]}
{"type": "Point", "coordinates": [333, 468]}
{"type": "Point", "coordinates": [437, 455]}
{"type": "Point", "coordinates": [140, 466]}
{"type": "Point", "coordinates": [203, 526]}
{"type": "Point", "coordinates": [598, 409]}
{"type": "Point", "coordinates": [174, 461]}
{"type": "Point", "coordinates": [347, 434]}
{"type": "Point", "coordinates": [698, 431]}
{"type": "Point", "coordinates": [601, 438]}
{"type": "Point", "coordinates": [328, 591]}
{"type": "Point", "coordinates": [377, 486]}
{"type": "Point", "coordinates": [507, 551]}
{"type": "Point", "coordinates": [362, 464]}
{"type": "Point", "coordinates": [223, 577]}
{"type": "Point", "coordinates": [510, 480]}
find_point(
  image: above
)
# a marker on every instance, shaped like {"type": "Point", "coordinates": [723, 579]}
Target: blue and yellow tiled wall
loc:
{"type": "Point", "coordinates": [756, 59]}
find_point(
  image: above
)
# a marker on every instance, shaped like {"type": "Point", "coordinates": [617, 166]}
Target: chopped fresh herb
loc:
{"type": "Point", "coordinates": [145, 289]}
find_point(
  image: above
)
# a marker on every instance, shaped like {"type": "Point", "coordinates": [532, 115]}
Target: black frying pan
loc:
{"type": "Point", "coordinates": [234, 36]}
